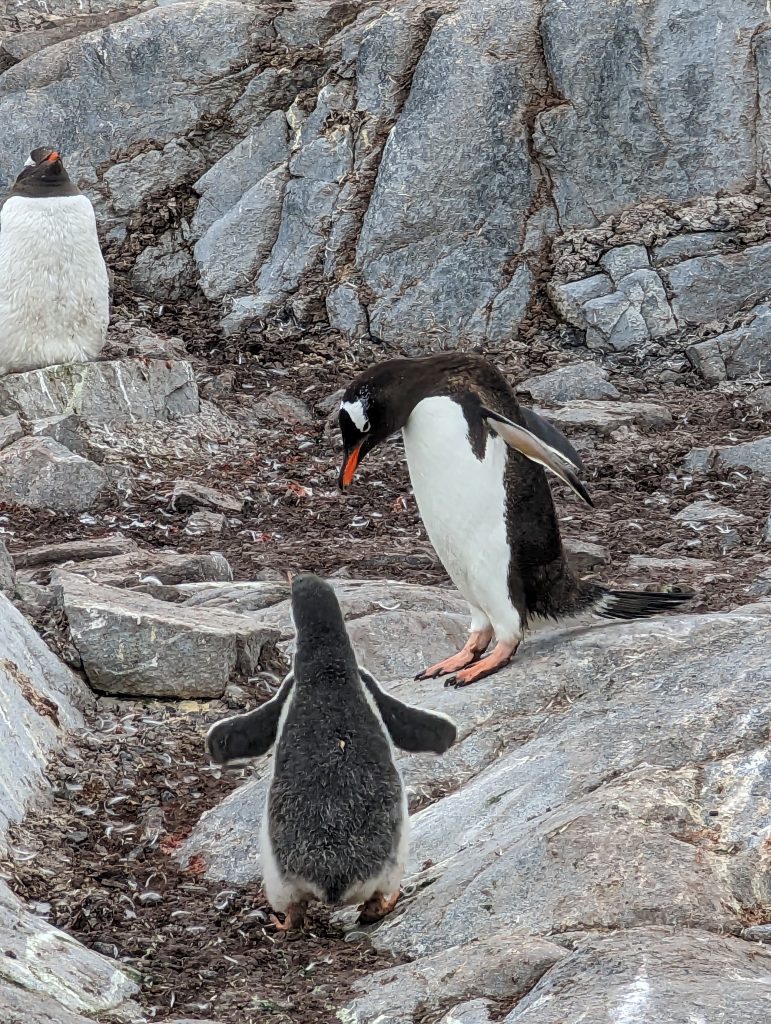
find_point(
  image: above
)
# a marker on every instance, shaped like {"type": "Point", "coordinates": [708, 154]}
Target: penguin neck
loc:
{"type": "Point", "coordinates": [429, 377]}
{"type": "Point", "coordinates": [325, 662]}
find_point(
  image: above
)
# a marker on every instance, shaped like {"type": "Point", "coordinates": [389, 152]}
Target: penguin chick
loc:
{"type": "Point", "coordinates": [54, 292]}
{"type": "Point", "coordinates": [476, 462]}
{"type": "Point", "coordinates": [336, 825]}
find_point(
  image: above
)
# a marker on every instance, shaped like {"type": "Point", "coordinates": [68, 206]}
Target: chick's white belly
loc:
{"type": "Point", "coordinates": [462, 501]}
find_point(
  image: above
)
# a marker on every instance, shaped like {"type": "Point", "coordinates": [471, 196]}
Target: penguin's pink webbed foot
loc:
{"type": "Point", "coordinates": [377, 907]}
{"type": "Point", "coordinates": [294, 918]}
{"type": "Point", "coordinates": [497, 659]}
{"type": "Point", "coordinates": [472, 651]}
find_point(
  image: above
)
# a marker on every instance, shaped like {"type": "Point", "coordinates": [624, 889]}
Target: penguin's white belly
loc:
{"type": "Point", "coordinates": [54, 292]}
{"type": "Point", "coordinates": [462, 501]}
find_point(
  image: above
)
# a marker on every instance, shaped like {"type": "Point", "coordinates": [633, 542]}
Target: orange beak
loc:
{"type": "Point", "coordinates": [349, 466]}
{"type": "Point", "coordinates": [52, 157]}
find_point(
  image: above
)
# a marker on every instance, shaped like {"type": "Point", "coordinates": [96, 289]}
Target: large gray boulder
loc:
{"type": "Point", "coordinates": [558, 812]}
{"type": "Point", "coordinates": [40, 473]}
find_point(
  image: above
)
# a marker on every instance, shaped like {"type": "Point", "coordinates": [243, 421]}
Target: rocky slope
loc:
{"type": "Point", "coordinates": [285, 192]}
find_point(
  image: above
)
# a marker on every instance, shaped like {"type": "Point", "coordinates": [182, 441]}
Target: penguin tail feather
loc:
{"type": "Point", "coordinates": [636, 604]}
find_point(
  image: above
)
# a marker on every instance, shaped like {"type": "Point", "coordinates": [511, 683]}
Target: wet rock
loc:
{"type": "Point", "coordinates": [167, 568]}
{"type": "Point", "coordinates": [188, 494]}
{"type": "Point", "coordinates": [40, 699]}
{"type": "Point", "coordinates": [569, 299]}
{"type": "Point", "coordinates": [279, 407]}
{"type": "Point", "coordinates": [103, 392]}
{"type": "Point", "coordinates": [10, 430]}
{"type": "Point", "coordinates": [655, 975]}
{"type": "Point", "coordinates": [739, 353]}
{"type": "Point", "coordinates": [203, 523]}
{"type": "Point", "coordinates": [263, 150]}
{"type": "Point", "coordinates": [716, 287]}
{"type": "Point", "coordinates": [7, 571]}
{"type": "Point", "coordinates": [709, 512]}
{"type": "Point", "coordinates": [584, 556]}
{"type": "Point", "coordinates": [605, 417]}
{"type": "Point", "coordinates": [623, 260]}
{"type": "Point", "coordinates": [75, 550]}
{"type": "Point", "coordinates": [500, 967]}
{"type": "Point", "coordinates": [233, 249]}
{"type": "Point", "coordinates": [569, 383]}
{"type": "Point", "coordinates": [135, 645]}
{"type": "Point", "coordinates": [150, 174]}
{"type": "Point", "coordinates": [638, 82]}
{"type": "Point", "coordinates": [40, 473]}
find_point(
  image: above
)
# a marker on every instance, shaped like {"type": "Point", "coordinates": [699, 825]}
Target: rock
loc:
{"type": "Point", "coordinates": [698, 460]}
{"type": "Point", "coordinates": [233, 249]}
{"type": "Point", "coordinates": [66, 430]}
{"type": "Point", "coordinates": [684, 247]}
{"type": "Point", "coordinates": [10, 430]}
{"type": "Point", "coordinates": [761, 399]}
{"type": "Point", "coordinates": [167, 568]}
{"type": "Point", "coordinates": [623, 260]}
{"type": "Point", "coordinates": [646, 294]}
{"type": "Point", "coordinates": [613, 321]}
{"type": "Point", "coordinates": [40, 473]}
{"type": "Point", "coordinates": [434, 264]}
{"type": "Point", "coordinates": [240, 597]}
{"type": "Point", "coordinates": [202, 523]}
{"type": "Point", "coordinates": [41, 700]}
{"type": "Point", "coordinates": [538, 823]}
{"type": "Point", "coordinates": [132, 644]}
{"type": "Point", "coordinates": [103, 392]}
{"type": "Point", "coordinates": [596, 171]}
{"type": "Point", "coordinates": [263, 150]}
{"type": "Point", "coordinates": [652, 975]}
{"type": "Point", "coordinates": [345, 311]}
{"type": "Point", "coordinates": [569, 299]}
{"type": "Point", "coordinates": [605, 417]}
{"type": "Point", "coordinates": [676, 563]}
{"type": "Point", "coordinates": [754, 455]}
{"type": "Point", "coordinates": [767, 531]}
{"type": "Point", "coordinates": [279, 407]}
{"type": "Point", "coordinates": [709, 512]}
{"type": "Point", "coordinates": [142, 99]}
{"type": "Point", "coordinates": [188, 494]}
{"type": "Point", "coordinates": [757, 933]}
{"type": "Point", "coordinates": [761, 587]}
{"type": "Point", "coordinates": [151, 174]}
{"type": "Point", "coordinates": [568, 383]}
{"type": "Point", "coordinates": [716, 287]}
{"type": "Point", "coordinates": [7, 571]}
{"type": "Point", "coordinates": [165, 271]}
{"type": "Point", "coordinates": [739, 353]}
{"type": "Point", "coordinates": [585, 556]}
{"type": "Point", "coordinates": [728, 539]}
{"type": "Point", "coordinates": [75, 550]}
{"type": "Point", "coordinates": [510, 305]}
{"type": "Point", "coordinates": [502, 967]}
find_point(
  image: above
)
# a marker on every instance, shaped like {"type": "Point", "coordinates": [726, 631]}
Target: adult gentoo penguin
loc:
{"type": "Point", "coordinates": [54, 293]}
{"type": "Point", "coordinates": [336, 825]}
{"type": "Point", "coordinates": [476, 465]}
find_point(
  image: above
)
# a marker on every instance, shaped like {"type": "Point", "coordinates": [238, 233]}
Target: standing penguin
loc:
{"type": "Point", "coordinates": [336, 824]}
{"type": "Point", "coordinates": [476, 463]}
{"type": "Point", "coordinates": [54, 292]}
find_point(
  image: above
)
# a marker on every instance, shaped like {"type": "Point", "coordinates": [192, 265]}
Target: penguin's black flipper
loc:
{"type": "Point", "coordinates": [550, 435]}
{"type": "Point", "coordinates": [249, 735]}
{"type": "Point", "coordinates": [536, 449]}
{"type": "Point", "coordinates": [411, 728]}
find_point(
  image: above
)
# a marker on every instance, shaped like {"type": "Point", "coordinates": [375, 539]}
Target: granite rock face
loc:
{"type": "Point", "coordinates": [557, 814]}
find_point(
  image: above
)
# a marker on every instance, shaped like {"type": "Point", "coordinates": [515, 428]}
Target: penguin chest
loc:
{"type": "Point", "coordinates": [54, 293]}
{"type": "Point", "coordinates": [461, 497]}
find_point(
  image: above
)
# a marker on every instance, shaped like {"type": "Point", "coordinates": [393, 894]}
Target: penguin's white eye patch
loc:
{"type": "Point", "coordinates": [357, 414]}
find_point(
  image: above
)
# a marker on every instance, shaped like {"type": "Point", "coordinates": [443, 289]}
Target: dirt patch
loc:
{"type": "Point", "coordinates": [98, 863]}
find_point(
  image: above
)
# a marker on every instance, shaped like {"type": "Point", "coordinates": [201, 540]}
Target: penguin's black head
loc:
{"type": "Point", "coordinates": [370, 412]}
{"type": "Point", "coordinates": [314, 605]}
{"type": "Point", "coordinates": [44, 175]}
